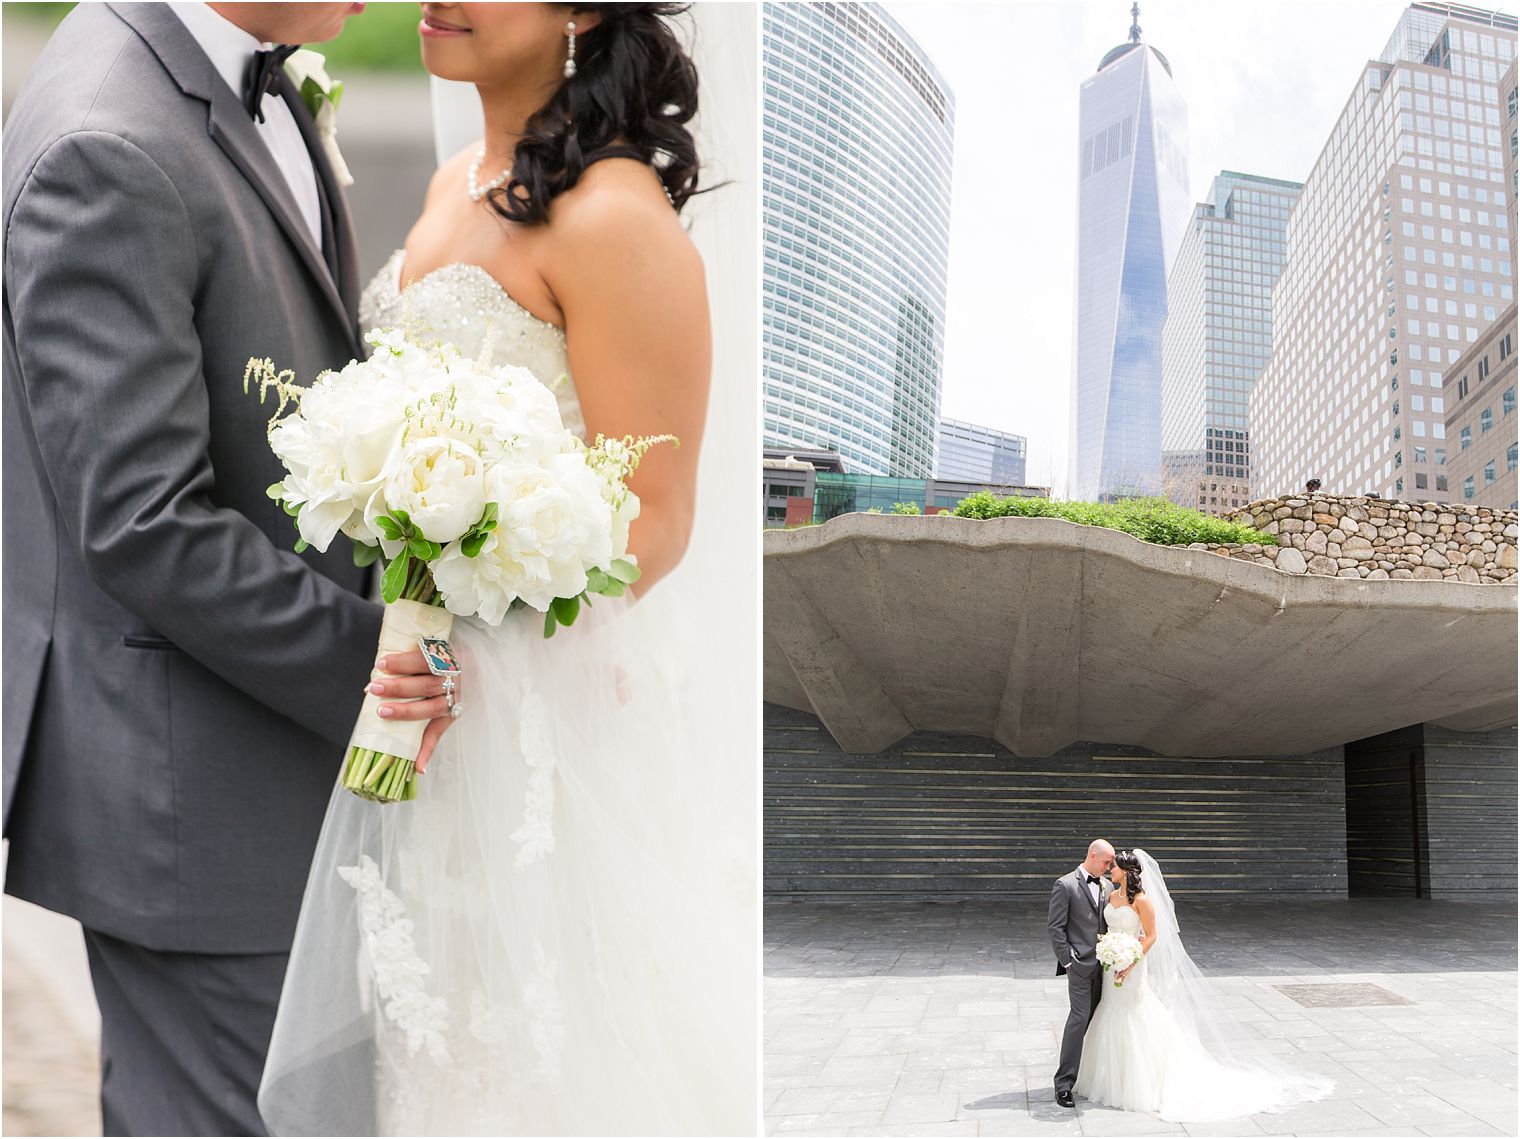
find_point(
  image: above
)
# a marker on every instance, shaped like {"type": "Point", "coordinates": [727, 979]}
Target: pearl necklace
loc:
{"type": "Point", "coordinates": [477, 191]}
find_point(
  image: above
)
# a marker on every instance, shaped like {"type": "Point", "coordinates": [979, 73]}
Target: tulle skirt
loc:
{"type": "Point", "coordinates": [558, 935]}
{"type": "Point", "coordinates": [1139, 1056]}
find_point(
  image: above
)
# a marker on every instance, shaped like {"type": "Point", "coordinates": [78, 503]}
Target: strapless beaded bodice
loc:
{"type": "Point", "coordinates": [459, 304]}
{"type": "Point", "coordinates": [1122, 919]}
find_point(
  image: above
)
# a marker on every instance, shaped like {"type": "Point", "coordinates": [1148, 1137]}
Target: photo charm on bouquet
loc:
{"type": "Point", "coordinates": [462, 480]}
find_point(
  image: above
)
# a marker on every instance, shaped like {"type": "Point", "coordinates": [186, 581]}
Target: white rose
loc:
{"type": "Point", "coordinates": [440, 483]}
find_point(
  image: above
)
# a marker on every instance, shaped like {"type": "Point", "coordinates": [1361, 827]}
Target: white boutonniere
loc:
{"type": "Point", "coordinates": [308, 71]}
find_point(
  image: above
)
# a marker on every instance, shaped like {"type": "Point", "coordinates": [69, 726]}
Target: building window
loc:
{"type": "Point", "coordinates": [1442, 483]}
{"type": "Point", "coordinates": [1419, 454]}
{"type": "Point", "coordinates": [1440, 456]}
{"type": "Point", "coordinates": [1466, 438]}
{"type": "Point", "coordinates": [1506, 345]}
{"type": "Point", "coordinates": [1398, 487]}
{"type": "Point", "coordinates": [1468, 490]}
{"type": "Point", "coordinates": [1462, 388]}
{"type": "Point", "coordinates": [1421, 482]}
{"type": "Point", "coordinates": [1489, 474]}
{"type": "Point", "coordinates": [1510, 457]}
{"type": "Point", "coordinates": [1486, 419]}
{"type": "Point", "coordinates": [1483, 368]}
{"type": "Point", "coordinates": [1509, 400]}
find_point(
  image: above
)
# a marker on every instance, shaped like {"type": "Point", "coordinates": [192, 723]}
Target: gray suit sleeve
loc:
{"type": "Point", "coordinates": [101, 271]}
{"type": "Point", "coordinates": [1060, 907]}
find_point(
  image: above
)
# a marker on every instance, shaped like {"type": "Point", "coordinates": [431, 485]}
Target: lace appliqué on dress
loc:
{"type": "Point", "coordinates": [397, 966]}
{"type": "Point", "coordinates": [535, 838]}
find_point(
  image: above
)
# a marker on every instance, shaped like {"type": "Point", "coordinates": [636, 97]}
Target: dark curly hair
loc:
{"type": "Point", "coordinates": [633, 92]}
{"type": "Point", "coordinates": [1129, 862]}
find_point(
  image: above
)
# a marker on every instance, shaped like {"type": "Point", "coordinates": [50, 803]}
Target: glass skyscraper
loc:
{"type": "Point", "coordinates": [1218, 336]}
{"type": "Point", "coordinates": [1400, 254]}
{"type": "Point", "coordinates": [1132, 207]}
{"type": "Point", "coordinates": [973, 453]}
{"type": "Point", "coordinates": [857, 139]}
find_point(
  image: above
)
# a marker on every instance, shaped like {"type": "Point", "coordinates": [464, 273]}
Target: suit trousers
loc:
{"type": "Point", "coordinates": [182, 1037]}
{"type": "Point", "coordinates": [1085, 989]}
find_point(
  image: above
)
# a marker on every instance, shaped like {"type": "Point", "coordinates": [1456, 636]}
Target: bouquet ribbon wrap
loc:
{"type": "Point", "coordinates": [404, 622]}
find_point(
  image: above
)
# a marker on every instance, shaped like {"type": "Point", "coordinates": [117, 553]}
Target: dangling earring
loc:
{"type": "Point", "coordinates": [570, 59]}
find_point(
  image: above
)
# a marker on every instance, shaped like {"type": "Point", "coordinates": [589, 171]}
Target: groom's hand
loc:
{"type": "Point", "coordinates": [421, 697]}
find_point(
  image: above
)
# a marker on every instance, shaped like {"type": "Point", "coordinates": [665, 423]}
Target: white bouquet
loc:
{"type": "Point", "coordinates": [1118, 951]}
{"type": "Point", "coordinates": [462, 479]}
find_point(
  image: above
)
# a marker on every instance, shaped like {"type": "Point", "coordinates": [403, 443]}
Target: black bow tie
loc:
{"type": "Point", "coordinates": [1091, 880]}
{"type": "Point", "coordinates": [264, 72]}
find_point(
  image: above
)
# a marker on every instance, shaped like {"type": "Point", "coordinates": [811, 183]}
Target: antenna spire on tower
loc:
{"type": "Point", "coordinates": [1134, 28]}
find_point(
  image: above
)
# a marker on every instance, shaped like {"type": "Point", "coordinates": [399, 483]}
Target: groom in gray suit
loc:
{"type": "Point", "coordinates": [1076, 919]}
{"type": "Point", "coordinates": [179, 684]}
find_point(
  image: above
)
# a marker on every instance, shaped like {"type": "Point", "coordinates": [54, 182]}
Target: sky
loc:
{"type": "Point", "coordinates": [1264, 84]}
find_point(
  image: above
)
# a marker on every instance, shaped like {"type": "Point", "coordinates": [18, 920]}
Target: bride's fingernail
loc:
{"type": "Point", "coordinates": [380, 664]}
{"type": "Point", "coordinates": [375, 688]}
{"type": "Point", "coordinates": [386, 712]}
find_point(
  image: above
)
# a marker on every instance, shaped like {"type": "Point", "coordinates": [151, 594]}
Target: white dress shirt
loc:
{"type": "Point", "coordinates": [230, 48]}
{"type": "Point", "coordinates": [1095, 889]}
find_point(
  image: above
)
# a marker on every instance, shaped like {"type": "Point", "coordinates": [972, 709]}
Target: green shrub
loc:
{"type": "Point", "coordinates": [1149, 519]}
{"type": "Point", "coordinates": [906, 508]}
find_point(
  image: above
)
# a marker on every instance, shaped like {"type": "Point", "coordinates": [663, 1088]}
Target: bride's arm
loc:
{"type": "Point", "coordinates": [632, 289]}
{"type": "Point", "coordinates": [1147, 913]}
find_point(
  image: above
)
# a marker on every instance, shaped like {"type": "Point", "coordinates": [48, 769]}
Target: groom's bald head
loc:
{"type": "Point", "coordinates": [1100, 856]}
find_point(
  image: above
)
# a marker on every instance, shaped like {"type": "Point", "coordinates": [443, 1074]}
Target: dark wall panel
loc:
{"type": "Point", "coordinates": [1470, 797]}
{"type": "Point", "coordinates": [1386, 852]}
{"type": "Point", "coordinates": [949, 816]}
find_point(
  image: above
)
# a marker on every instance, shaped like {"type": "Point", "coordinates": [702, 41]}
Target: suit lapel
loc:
{"type": "Point", "coordinates": [1085, 892]}
{"type": "Point", "coordinates": [345, 261]}
{"type": "Point", "coordinates": [230, 127]}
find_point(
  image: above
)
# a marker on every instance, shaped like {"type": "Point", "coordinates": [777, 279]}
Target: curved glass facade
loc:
{"type": "Point", "coordinates": [857, 140]}
{"type": "Point", "coordinates": [1133, 205]}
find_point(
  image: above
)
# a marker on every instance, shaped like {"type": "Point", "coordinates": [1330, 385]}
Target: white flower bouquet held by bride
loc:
{"type": "Point", "coordinates": [460, 478]}
{"type": "Point", "coordinates": [1118, 951]}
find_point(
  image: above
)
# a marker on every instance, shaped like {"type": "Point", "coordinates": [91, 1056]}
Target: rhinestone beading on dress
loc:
{"type": "Point", "coordinates": [460, 303]}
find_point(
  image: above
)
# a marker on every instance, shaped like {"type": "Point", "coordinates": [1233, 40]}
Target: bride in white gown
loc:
{"type": "Point", "coordinates": [1161, 1041]}
{"type": "Point", "coordinates": [553, 937]}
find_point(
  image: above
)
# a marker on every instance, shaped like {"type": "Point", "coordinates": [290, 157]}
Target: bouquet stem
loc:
{"type": "Point", "coordinates": [381, 764]}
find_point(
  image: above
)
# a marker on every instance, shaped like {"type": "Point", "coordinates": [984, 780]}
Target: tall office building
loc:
{"type": "Point", "coordinates": [972, 453]}
{"type": "Point", "coordinates": [856, 148]}
{"type": "Point", "coordinates": [1399, 256]}
{"type": "Point", "coordinates": [1132, 208]}
{"type": "Point", "coordinates": [1217, 337]}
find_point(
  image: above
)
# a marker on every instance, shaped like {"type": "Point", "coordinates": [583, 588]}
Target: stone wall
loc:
{"type": "Point", "coordinates": [1378, 539]}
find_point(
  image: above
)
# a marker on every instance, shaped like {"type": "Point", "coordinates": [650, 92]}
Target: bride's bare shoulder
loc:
{"type": "Point", "coordinates": [450, 173]}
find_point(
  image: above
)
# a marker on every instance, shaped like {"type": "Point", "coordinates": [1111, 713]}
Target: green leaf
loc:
{"type": "Point", "coordinates": [394, 580]}
{"type": "Point", "coordinates": [311, 95]}
{"type": "Point", "coordinates": [567, 609]}
{"type": "Point", "coordinates": [276, 491]}
{"type": "Point", "coordinates": [302, 545]}
{"type": "Point", "coordinates": [423, 550]}
{"type": "Point", "coordinates": [291, 508]}
{"type": "Point", "coordinates": [596, 580]}
{"type": "Point", "coordinates": [365, 555]}
{"type": "Point", "coordinates": [403, 518]}
{"type": "Point", "coordinates": [613, 588]}
{"type": "Point", "coordinates": [471, 544]}
{"type": "Point", "coordinates": [551, 623]}
{"type": "Point", "coordinates": [625, 571]}
{"type": "Point", "coordinates": [389, 528]}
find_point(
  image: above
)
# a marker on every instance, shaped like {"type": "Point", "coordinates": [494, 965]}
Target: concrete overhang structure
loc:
{"type": "Point", "coordinates": [1040, 633]}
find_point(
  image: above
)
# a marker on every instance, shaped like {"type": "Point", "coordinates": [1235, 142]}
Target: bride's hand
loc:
{"type": "Point", "coordinates": [408, 679]}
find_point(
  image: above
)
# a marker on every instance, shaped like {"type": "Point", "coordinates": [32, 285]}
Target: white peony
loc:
{"type": "Point", "coordinates": [552, 523]}
{"type": "Point", "coordinates": [440, 483]}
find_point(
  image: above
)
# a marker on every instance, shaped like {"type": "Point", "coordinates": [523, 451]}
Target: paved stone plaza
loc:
{"type": "Point", "coordinates": [943, 1018]}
